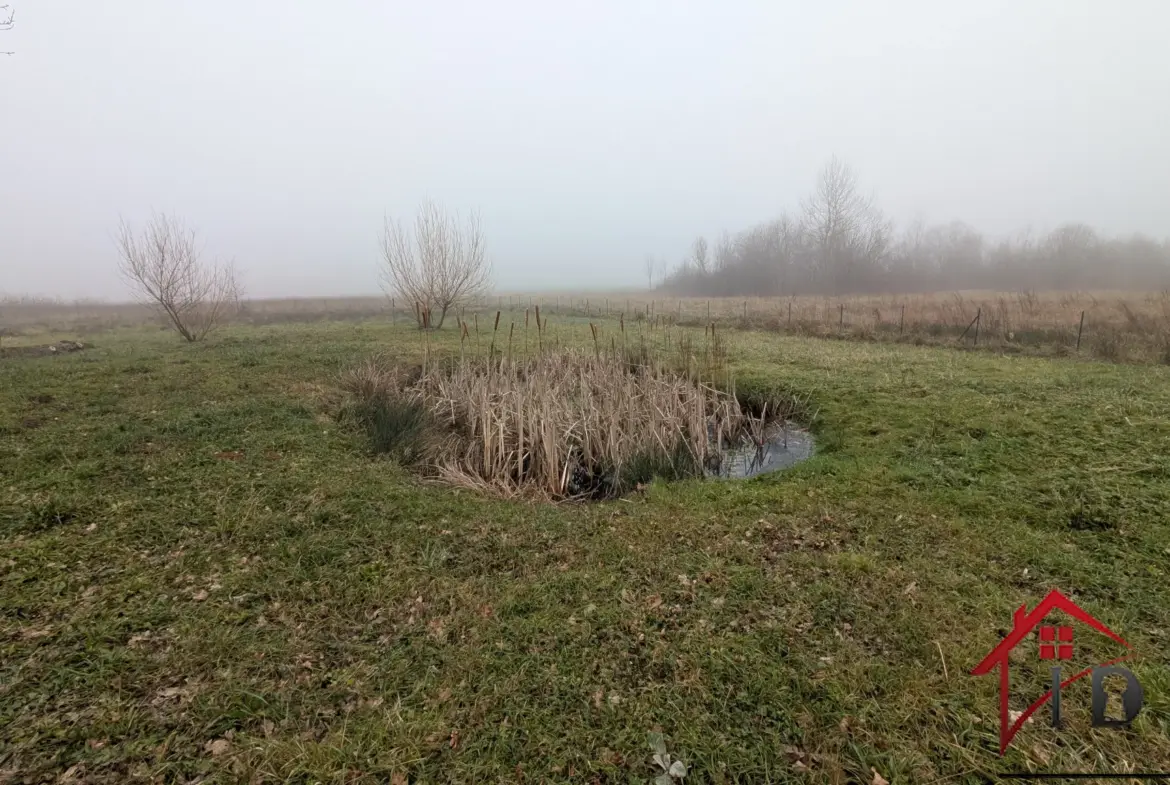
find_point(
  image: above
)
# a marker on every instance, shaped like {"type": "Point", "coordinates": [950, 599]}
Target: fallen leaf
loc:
{"type": "Point", "coordinates": [70, 774]}
{"type": "Point", "coordinates": [877, 778]}
{"type": "Point", "coordinates": [398, 778]}
{"type": "Point", "coordinates": [200, 595]}
{"type": "Point", "coordinates": [229, 455]}
{"type": "Point", "coordinates": [1015, 715]}
{"type": "Point", "coordinates": [454, 740]}
{"type": "Point", "coordinates": [653, 601]}
{"type": "Point", "coordinates": [793, 753]}
{"type": "Point", "coordinates": [217, 747]}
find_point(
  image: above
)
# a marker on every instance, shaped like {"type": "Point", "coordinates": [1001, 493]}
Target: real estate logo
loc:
{"type": "Point", "coordinates": [1055, 645]}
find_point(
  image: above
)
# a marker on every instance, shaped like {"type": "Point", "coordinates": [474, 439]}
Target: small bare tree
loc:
{"type": "Point", "coordinates": [162, 265]}
{"type": "Point", "coordinates": [651, 267]}
{"type": "Point", "coordinates": [699, 255]}
{"type": "Point", "coordinates": [7, 21]}
{"type": "Point", "coordinates": [439, 265]}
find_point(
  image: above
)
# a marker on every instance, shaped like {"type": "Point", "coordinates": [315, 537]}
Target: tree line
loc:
{"type": "Point", "coordinates": [839, 242]}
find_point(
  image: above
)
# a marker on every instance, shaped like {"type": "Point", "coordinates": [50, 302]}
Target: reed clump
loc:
{"type": "Point", "coordinates": [562, 424]}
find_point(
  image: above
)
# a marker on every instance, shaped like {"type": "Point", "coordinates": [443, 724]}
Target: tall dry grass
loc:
{"type": "Point", "coordinates": [564, 423]}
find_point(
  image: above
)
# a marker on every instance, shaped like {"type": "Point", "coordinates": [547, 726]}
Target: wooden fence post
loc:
{"type": "Point", "coordinates": [902, 319]}
{"type": "Point", "coordinates": [1080, 329]}
{"type": "Point", "coordinates": [841, 321]}
{"type": "Point", "coordinates": [978, 322]}
{"type": "Point", "coordinates": [972, 324]}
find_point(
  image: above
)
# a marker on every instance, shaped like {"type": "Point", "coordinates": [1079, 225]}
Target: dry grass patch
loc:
{"type": "Point", "coordinates": [563, 424]}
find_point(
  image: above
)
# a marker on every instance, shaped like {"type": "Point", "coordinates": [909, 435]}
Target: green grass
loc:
{"type": "Point", "coordinates": [203, 573]}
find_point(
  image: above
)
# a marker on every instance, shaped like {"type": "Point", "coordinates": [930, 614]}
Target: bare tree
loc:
{"type": "Point", "coordinates": [439, 265]}
{"type": "Point", "coordinates": [849, 233]}
{"type": "Point", "coordinates": [651, 267]}
{"type": "Point", "coordinates": [699, 255]}
{"type": "Point", "coordinates": [7, 21]}
{"type": "Point", "coordinates": [724, 251]}
{"type": "Point", "coordinates": [163, 267]}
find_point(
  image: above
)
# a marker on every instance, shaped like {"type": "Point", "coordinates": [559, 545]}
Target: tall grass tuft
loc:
{"type": "Point", "coordinates": [397, 422]}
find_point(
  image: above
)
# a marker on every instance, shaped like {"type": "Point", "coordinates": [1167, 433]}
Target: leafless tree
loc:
{"type": "Point", "coordinates": [651, 267]}
{"type": "Point", "coordinates": [699, 255]}
{"type": "Point", "coordinates": [847, 230]}
{"type": "Point", "coordinates": [7, 21]}
{"type": "Point", "coordinates": [724, 251]}
{"type": "Point", "coordinates": [163, 267]}
{"type": "Point", "coordinates": [439, 265]}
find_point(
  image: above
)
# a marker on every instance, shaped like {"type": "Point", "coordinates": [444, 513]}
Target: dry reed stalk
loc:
{"type": "Point", "coordinates": [565, 422]}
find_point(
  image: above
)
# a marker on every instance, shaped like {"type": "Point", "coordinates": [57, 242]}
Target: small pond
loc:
{"type": "Point", "coordinates": [783, 446]}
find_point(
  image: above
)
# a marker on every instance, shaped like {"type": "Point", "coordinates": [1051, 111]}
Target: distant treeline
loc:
{"type": "Point", "coordinates": [839, 242]}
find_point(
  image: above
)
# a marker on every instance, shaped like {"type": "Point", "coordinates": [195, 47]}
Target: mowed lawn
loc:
{"type": "Point", "coordinates": [205, 576]}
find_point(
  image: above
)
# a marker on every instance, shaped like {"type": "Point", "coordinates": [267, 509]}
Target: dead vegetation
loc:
{"type": "Point", "coordinates": [47, 350]}
{"type": "Point", "coordinates": [561, 423]}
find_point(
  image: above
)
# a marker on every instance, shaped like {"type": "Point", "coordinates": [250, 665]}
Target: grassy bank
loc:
{"type": "Point", "coordinates": [202, 573]}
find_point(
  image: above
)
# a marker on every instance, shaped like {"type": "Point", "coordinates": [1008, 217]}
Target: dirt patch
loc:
{"type": "Point", "coordinates": [60, 347]}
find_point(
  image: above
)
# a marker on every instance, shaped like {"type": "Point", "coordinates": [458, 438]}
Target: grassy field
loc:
{"type": "Point", "coordinates": [205, 576]}
{"type": "Point", "coordinates": [1113, 326]}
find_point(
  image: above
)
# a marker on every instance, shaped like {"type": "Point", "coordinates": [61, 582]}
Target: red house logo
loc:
{"type": "Point", "coordinates": [1056, 645]}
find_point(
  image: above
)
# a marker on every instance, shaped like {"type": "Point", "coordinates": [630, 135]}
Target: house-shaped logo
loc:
{"type": "Point", "coordinates": [1056, 645]}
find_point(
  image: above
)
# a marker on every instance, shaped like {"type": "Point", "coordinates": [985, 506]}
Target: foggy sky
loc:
{"type": "Point", "coordinates": [587, 133]}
